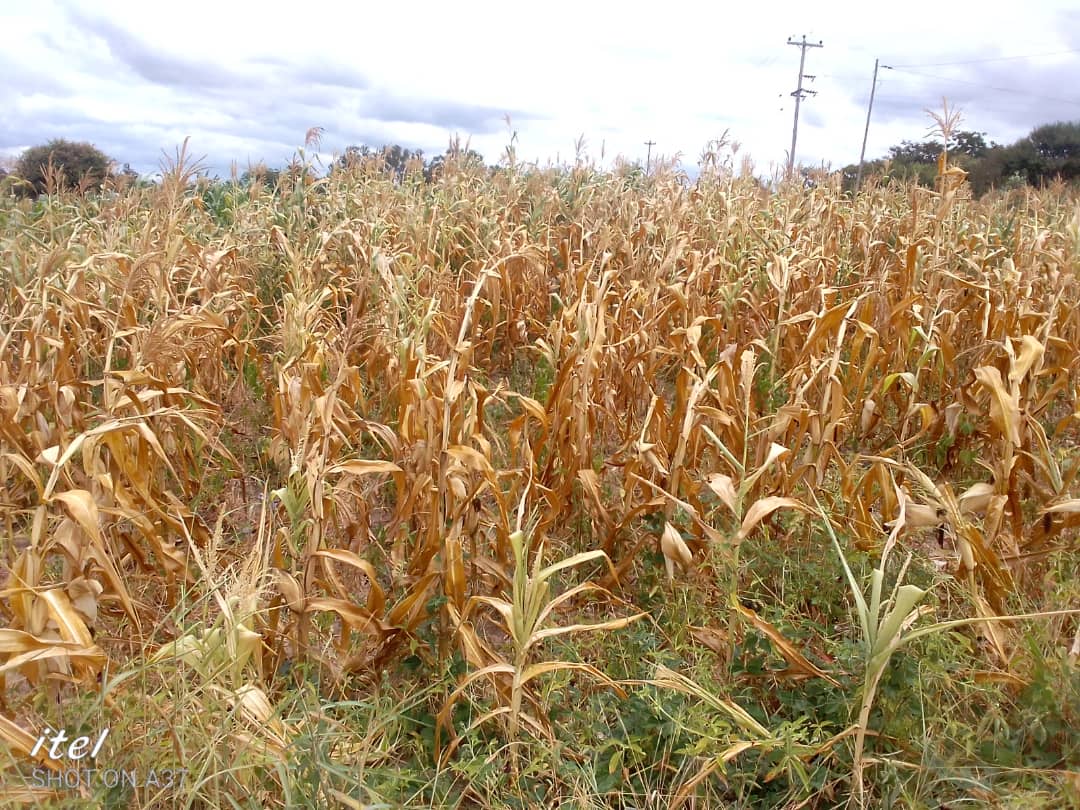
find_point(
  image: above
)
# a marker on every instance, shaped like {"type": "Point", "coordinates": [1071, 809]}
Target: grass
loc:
{"type": "Point", "coordinates": [311, 492]}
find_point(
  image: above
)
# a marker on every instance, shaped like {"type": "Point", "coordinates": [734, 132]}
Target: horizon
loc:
{"type": "Point", "coordinates": [135, 88]}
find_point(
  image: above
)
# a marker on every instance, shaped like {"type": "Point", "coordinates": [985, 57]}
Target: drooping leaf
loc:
{"type": "Point", "coordinates": [764, 507]}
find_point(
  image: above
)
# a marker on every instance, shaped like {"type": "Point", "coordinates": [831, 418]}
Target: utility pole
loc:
{"type": "Point", "coordinates": [866, 132]}
{"type": "Point", "coordinates": [798, 94]}
{"type": "Point", "coordinates": [648, 155]}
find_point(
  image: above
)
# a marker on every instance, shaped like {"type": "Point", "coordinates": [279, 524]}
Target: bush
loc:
{"type": "Point", "coordinates": [75, 165]}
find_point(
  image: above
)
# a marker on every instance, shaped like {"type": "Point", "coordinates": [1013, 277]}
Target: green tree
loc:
{"type": "Point", "coordinates": [917, 161]}
{"type": "Point", "coordinates": [261, 173]}
{"type": "Point", "coordinates": [988, 170]}
{"type": "Point", "coordinates": [75, 165]}
{"type": "Point", "coordinates": [909, 153]}
{"type": "Point", "coordinates": [1048, 152]}
{"type": "Point", "coordinates": [352, 156]}
{"type": "Point", "coordinates": [972, 144]}
{"type": "Point", "coordinates": [456, 156]}
{"type": "Point", "coordinates": [1057, 147]}
{"type": "Point", "coordinates": [397, 158]}
{"type": "Point", "coordinates": [393, 158]}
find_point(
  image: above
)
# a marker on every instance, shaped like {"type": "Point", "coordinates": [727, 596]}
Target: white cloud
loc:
{"type": "Point", "coordinates": [246, 80]}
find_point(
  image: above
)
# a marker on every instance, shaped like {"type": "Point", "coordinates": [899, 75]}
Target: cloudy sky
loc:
{"type": "Point", "coordinates": [247, 80]}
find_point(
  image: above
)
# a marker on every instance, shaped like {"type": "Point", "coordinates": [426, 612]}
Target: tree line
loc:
{"type": "Point", "coordinates": [1049, 152]}
{"type": "Point", "coordinates": [82, 166]}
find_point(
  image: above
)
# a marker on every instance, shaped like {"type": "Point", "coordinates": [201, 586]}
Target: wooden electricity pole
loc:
{"type": "Point", "coordinates": [866, 132]}
{"type": "Point", "coordinates": [799, 92]}
{"type": "Point", "coordinates": [648, 154]}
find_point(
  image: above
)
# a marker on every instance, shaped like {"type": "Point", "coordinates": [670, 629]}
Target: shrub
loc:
{"type": "Point", "coordinates": [76, 165]}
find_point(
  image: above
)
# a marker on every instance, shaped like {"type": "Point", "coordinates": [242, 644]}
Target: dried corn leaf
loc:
{"type": "Point", "coordinates": [795, 659]}
{"type": "Point", "coordinates": [764, 507]}
{"type": "Point", "coordinates": [675, 550]}
{"type": "Point", "coordinates": [1004, 405]}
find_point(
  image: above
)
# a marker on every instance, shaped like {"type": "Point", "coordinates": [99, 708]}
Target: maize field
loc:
{"type": "Point", "coordinates": [540, 488]}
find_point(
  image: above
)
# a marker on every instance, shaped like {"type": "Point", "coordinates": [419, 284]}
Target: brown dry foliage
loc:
{"type": "Point", "coordinates": [711, 350]}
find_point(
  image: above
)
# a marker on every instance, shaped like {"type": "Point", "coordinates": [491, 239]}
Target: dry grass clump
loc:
{"type": "Point", "coordinates": [250, 435]}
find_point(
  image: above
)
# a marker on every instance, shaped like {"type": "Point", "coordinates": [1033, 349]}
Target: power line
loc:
{"type": "Point", "coordinates": [990, 59]}
{"type": "Point", "coordinates": [885, 95]}
{"type": "Point", "coordinates": [989, 101]}
{"type": "Point", "coordinates": [1027, 93]}
{"type": "Point", "coordinates": [859, 77]}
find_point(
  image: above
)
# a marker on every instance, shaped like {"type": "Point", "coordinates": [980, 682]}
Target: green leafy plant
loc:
{"type": "Point", "coordinates": [887, 626]}
{"type": "Point", "coordinates": [524, 616]}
